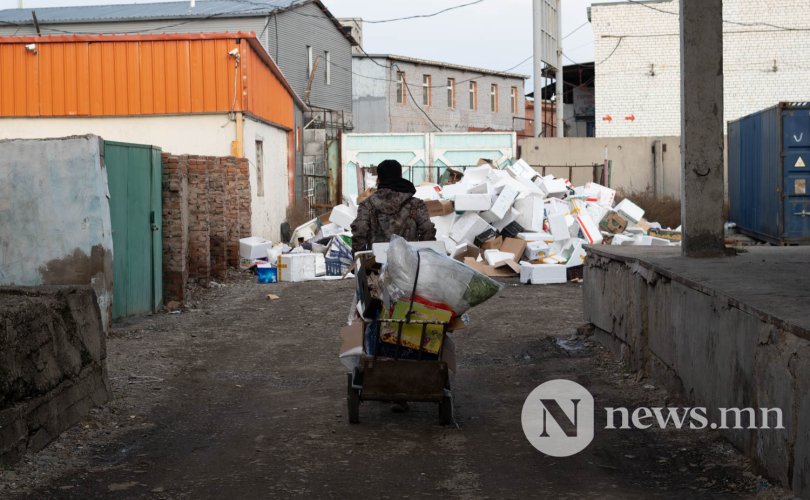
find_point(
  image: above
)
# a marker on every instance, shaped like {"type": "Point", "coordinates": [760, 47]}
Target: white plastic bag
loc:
{"type": "Point", "coordinates": [440, 279]}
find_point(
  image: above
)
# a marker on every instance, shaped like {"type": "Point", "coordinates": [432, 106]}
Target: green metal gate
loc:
{"type": "Point", "coordinates": [134, 174]}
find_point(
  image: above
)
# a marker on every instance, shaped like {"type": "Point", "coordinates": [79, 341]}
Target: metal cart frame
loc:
{"type": "Point", "coordinates": [393, 378]}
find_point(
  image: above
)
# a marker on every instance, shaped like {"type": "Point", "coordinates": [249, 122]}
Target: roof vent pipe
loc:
{"type": "Point", "coordinates": [192, 3]}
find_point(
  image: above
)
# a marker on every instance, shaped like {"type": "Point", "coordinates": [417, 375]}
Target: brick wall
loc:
{"type": "Point", "coordinates": [206, 210]}
{"type": "Point", "coordinates": [640, 75]}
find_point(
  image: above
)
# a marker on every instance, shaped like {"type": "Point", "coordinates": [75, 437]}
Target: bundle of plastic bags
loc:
{"type": "Point", "coordinates": [438, 278]}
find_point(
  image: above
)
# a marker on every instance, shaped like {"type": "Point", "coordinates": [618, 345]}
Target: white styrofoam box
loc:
{"type": "Point", "coordinates": [495, 257]}
{"type": "Point", "coordinates": [299, 267]}
{"type": "Point", "coordinates": [428, 192]}
{"type": "Point", "coordinates": [527, 187]}
{"type": "Point", "coordinates": [555, 259]}
{"type": "Point", "coordinates": [553, 187]}
{"type": "Point", "coordinates": [502, 204]}
{"type": "Point", "coordinates": [253, 248]}
{"type": "Point", "coordinates": [473, 202]}
{"type": "Point", "coordinates": [443, 225]}
{"type": "Point", "coordinates": [659, 242]}
{"type": "Point", "coordinates": [621, 239]}
{"type": "Point", "coordinates": [641, 240]}
{"type": "Point", "coordinates": [457, 250]}
{"type": "Point", "coordinates": [560, 226]}
{"type": "Point", "coordinates": [538, 236]}
{"type": "Point", "coordinates": [634, 230]}
{"type": "Point", "coordinates": [596, 211]}
{"type": "Point", "coordinates": [343, 216]}
{"type": "Point", "coordinates": [630, 211]}
{"type": "Point", "coordinates": [542, 274]}
{"type": "Point", "coordinates": [381, 249]}
{"type": "Point", "coordinates": [467, 227]}
{"type": "Point", "coordinates": [331, 229]}
{"type": "Point", "coordinates": [522, 169]}
{"type": "Point", "coordinates": [476, 175]}
{"type": "Point", "coordinates": [577, 257]}
{"type": "Point", "coordinates": [450, 191]}
{"type": "Point", "coordinates": [556, 206]}
{"type": "Point", "coordinates": [320, 264]}
{"type": "Point", "coordinates": [536, 250]}
{"type": "Point", "coordinates": [604, 195]}
{"type": "Point", "coordinates": [532, 213]}
{"type": "Point", "coordinates": [590, 230]}
{"type": "Point", "coordinates": [509, 218]}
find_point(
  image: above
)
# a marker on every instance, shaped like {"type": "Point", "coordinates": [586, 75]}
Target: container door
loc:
{"type": "Point", "coordinates": [796, 188]}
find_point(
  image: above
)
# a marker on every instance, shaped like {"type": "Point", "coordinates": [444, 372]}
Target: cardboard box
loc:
{"type": "Point", "coordinates": [351, 347]}
{"type": "Point", "coordinates": [492, 244]}
{"type": "Point", "coordinates": [254, 248]}
{"type": "Point", "coordinates": [467, 227]}
{"type": "Point", "coordinates": [343, 216]}
{"type": "Point", "coordinates": [542, 274]}
{"type": "Point", "coordinates": [439, 208]}
{"type": "Point", "coordinates": [613, 223]}
{"type": "Point", "coordinates": [514, 246]}
{"type": "Point", "coordinates": [296, 267]}
{"type": "Point", "coordinates": [473, 202]}
{"type": "Point", "coordinates": [630, 211]}
{"type": "Point", "coordinates": [266, 273]}
{"type": "Point", "coordinates": [507, 270]}
{"type": "Point", "coordinates": [411, 334]}
{"type": "Point", "coordinates": [496, 258]}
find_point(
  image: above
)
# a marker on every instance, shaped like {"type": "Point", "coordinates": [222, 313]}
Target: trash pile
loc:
{"type": "Point", "coordinates": [502, 222]}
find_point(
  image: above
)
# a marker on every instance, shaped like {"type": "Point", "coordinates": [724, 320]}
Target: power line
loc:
{"type": "Point", "coordinates": [727, 21]}
{"type": "Point", "coordinates": [418, 16]}
{"type": "Point", "coordinates": [576, 29]}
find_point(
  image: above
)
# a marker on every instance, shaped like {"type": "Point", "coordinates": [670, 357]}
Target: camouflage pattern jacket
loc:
{"type": "Point", "coordinates": [388, 212]}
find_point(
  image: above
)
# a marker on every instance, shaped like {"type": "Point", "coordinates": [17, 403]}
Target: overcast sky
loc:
{"type": "Point", "coordinates": [494, 34]}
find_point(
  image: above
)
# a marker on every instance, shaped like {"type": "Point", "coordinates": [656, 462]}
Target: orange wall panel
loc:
{"type": "Point", "coordinates": [120, 75]}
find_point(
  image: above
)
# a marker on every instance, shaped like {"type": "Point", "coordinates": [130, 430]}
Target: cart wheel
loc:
{"type": "Point", "coordinates": [446, 410]}
{"type": "Point", "coordinates": [353, 399]}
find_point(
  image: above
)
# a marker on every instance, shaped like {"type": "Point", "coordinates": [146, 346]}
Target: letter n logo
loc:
{"type": "Point", "coordinates": [550, 407]}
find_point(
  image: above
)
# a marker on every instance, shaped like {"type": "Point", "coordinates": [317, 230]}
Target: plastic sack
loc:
{"type": "Point", "coordinates": [440, 279]}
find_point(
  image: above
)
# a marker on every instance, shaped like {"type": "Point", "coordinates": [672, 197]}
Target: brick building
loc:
{"type": "Point", "coordinates": [388, 91]}
{"type": "Point", "coordinates": [637, 54]}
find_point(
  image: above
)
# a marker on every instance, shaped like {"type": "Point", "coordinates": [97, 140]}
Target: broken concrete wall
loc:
{"type": "Point", "coordinates": [206, 210]}
{"type": "Point", "coordinates": [52, 364]}
{"type": "Point", "coordinates": [712, 350]}
{"type": "Point", "coordinates": [55, 224]}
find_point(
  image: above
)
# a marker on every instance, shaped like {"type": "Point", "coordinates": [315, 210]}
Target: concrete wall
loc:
{"type": "Point", "coordinates": [203, 135]}
{"type": "Point", "coordinates": [376, 108]}
{"type": "Point", "coordinates": [633, 159]}
{"type": "Point", "coordinates": [709, 347]}
{"type": "Point", "coordinates": [639, 72]}
{"type": "Point", "coordinates": [55, 226]}
{"type": "Point", "coordinates": [52, 364]}
{"type": "Point", "coordinates": [270, 209]}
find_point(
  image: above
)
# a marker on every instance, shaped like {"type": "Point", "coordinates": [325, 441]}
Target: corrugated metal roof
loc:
{"type": "Point", "coordinates": [147, 11]}
{"type": "Point", "coordinates": [440, 64]}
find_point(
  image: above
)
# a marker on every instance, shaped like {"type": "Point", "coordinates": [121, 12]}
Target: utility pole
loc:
{"type": "Point", "coordinates": [559, 75]}
{"type": "Point", "coordinates": [702, 179]}
{"type": "Point", "coordinates": [537, 17]}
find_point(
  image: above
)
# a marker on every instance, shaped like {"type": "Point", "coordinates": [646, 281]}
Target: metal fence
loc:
{"type": "Point", "coordinates": [315, 179]}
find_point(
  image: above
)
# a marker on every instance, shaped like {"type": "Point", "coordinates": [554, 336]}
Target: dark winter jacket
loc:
{"type": "Point", "coordinates": [388, 212]}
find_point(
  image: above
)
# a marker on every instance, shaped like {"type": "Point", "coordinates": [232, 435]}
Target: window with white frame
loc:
{"type": "Point", "coordinates": [401, 87]}
{"type": "Point", "coordinates": [328, 62]}
{"type": "Point", "coordinates": [451, 93]}
{"type": "Point", "coordinates": [493, 98]}
{"type": "Point", "coordinates": [426, 89]}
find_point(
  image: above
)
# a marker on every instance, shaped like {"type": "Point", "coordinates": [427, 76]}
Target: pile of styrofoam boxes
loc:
{"type": "Point", "coordinates": [480, 218]}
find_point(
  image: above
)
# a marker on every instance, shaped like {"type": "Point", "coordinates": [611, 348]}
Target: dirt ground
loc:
{"type": "Point", "coordinates": [244, 397]}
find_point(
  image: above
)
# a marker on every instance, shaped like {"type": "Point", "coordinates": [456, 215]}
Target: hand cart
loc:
{"type": "Point", "coordinates": [394, 372]}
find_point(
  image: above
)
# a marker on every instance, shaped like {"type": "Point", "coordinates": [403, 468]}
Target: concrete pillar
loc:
{"type": "Point", "coordinates": [658, 168]}
{"type": "Point", "coordinates": [702, 180]}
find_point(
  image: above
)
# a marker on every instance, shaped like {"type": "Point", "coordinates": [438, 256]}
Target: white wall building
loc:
{"type": "Point", "coordinates": [766, 54]}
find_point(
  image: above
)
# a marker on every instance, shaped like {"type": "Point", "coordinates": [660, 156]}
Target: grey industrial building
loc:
{"type": "Point", "coordinates": [403, 94]}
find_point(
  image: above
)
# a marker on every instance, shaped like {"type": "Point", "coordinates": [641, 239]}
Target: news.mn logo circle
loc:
{"type": "Point", "coordinates": [558, 418]}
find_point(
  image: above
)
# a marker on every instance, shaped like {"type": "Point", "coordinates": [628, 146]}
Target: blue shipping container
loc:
{"type": "Point", "coordinates": [769, 173]}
